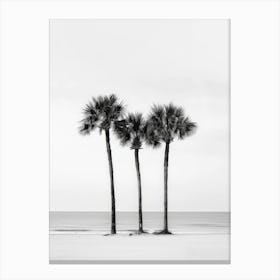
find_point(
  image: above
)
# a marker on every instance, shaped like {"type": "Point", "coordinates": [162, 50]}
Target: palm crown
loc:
{"type": "Point", "coordinates": [166, 122]}
{"type": "Point", "coordinates": [131, 130]}
{"type": "Point", "coordinates": [100, 113]}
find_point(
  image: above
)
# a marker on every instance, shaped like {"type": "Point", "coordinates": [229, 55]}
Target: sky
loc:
{"type": "Point", "coordinates": [144, 62]}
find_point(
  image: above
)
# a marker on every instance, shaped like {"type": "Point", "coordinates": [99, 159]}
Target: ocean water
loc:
{"type": "Point", "coordinates": [179, 222]}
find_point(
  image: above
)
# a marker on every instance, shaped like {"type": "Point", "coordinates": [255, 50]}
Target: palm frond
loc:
{"type": "Point", "coordinates": [116, 111]}
{"type": "Point", "coordinates": [98, 103]}
{"type": "Point", "coordinates": [101, 112]}
{"type": "Point", "coordinates": [122, 131]}
{"type": "Point", "coordinates": [136, 122]}
{"type": "Point", "coordinates": [89, 122]}
{"type": "Point", "coordinates": [165, 122]}
{"type": "Point", "coordinates": [136, 143]}
{"type": "Point", "coordinates": [84, 129]}
{"type": "Point", "coordinates": [179, 112]}
{"type": "Point", "coordinates": [157, 112]}
{"type": "Point", "coordinates": [186, 128]}
{"type": "Point", "coordinates": [152, 134]}
{"type": "Point", "coordinates": [130, 130]}
{"type": "Point", "coordinates": [112, 99]}
{"type": "Point", "coordinates": [170, 110]}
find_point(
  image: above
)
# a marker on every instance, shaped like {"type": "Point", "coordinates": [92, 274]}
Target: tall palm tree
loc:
{"type": "Point", "coordinates": [101, 113]}
{"type": "Point", "coordinates": [131, 131]}
{"type": "Point", "coordinates": [164, 124]}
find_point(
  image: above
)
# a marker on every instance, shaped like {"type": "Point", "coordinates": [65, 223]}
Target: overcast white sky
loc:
{"type": "Point", "coordinates": [143, 62]}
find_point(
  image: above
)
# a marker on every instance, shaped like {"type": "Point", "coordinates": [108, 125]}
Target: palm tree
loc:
{"type": "Point", "coordinates": [131, 131]}
{"type": "Point", "coordinates": [164, 124]}
{"type": "Point", "coordinates": [101, 113]}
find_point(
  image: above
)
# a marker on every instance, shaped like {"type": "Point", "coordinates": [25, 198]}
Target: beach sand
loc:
{"type": "Point", "coordinates": [181, 248]}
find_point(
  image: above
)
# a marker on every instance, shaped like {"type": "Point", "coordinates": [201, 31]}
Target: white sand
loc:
{"type": "Point", "coordinates": [78, 248]}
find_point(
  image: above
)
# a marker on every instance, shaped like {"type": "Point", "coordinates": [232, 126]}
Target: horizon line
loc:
{"type": "Point", "coordinates": [135, 211]}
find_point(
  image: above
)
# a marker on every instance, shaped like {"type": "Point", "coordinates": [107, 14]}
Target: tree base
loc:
{"type": "Point", "coordinates": [107, 234]}
{"type": "Point", "coordinates": [138, 232]}
{"type": "Point", "coordinates": [141, 231]}
{"type": "Point", "coordinates": [165, 231]}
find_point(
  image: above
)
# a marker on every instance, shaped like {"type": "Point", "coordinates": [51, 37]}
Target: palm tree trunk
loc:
{"type": "Point", "coordinates": [113, 213]}
{"type": "Point", "coordinates": [166, 156]}
{"type": "Point", "coordinates": [136, 154]}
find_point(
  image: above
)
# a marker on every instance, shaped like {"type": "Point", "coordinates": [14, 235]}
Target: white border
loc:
{"type": "Point", "coordinates": [254, 137]}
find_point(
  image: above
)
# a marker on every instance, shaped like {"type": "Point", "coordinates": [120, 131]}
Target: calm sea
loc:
{"type": "Point", "coordinates": [179, 222]}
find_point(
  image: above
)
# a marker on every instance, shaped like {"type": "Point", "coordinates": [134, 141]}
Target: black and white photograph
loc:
{"type": "Point", "coordinates": [139, 141]}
